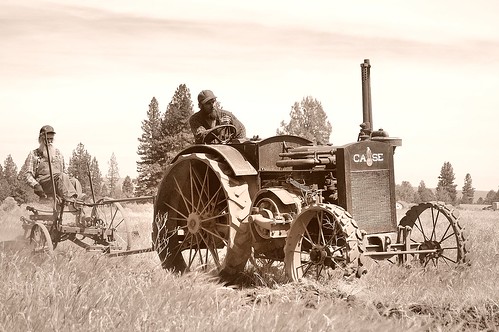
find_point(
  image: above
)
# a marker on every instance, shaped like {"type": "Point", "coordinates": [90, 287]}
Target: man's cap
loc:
{"type": "Point", "coordinates": [205, 95]}
{"type": "Point", "coordinates": [47, 129]}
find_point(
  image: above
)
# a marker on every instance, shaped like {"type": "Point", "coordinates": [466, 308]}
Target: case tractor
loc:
{"type": "Point", "coordinates": [312, 210]}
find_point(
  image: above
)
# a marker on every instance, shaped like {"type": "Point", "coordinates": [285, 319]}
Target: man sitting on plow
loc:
{"type": "Point", "coordinates": [36, 170]}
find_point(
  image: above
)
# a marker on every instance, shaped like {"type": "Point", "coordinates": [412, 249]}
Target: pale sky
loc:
{"type": "Point", "coordinates": [90, 69]}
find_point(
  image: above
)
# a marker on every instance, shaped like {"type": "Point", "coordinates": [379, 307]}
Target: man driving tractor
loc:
{"type": "Point", "coordinates": [36, 171]}
{"type": "Point", "coordinates": [209, 122]}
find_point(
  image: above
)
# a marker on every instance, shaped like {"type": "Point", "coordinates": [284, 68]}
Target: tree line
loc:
{"type": "Point", "coordinates": [81, 166]}
{"type": "Point", "coordinates": [164, 134]}
{"type": "Point", "coordinates": [445, 190]}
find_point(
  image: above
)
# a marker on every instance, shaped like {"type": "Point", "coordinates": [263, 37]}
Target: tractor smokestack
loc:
{"type": "Point", "coordinates": [367, 116]}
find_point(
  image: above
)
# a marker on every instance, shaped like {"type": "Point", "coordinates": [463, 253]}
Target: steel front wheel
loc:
{"type": "Point", "coordinates": [323, 239]}
{"type": "Point", "coordinates": [40, 240]}
{"type": "Point", "coordinates": [198, 216]}
{"type": "Point", "coordinates": [435, 227]}
{"type": "Point", "coordinates": [111, 216]}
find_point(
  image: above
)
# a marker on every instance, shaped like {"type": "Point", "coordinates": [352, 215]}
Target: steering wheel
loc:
{"type": "Point", "coordinates": [221, 134]}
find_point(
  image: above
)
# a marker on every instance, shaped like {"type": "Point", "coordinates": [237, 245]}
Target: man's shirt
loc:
{"type": "Point", "coordinates": [36, 167]}
{"type": "Point", "coordinates": [200, 124]}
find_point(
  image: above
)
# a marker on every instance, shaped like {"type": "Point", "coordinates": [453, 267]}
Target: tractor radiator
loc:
{"type": "Point", "coordinates": [371, 202]}
{"type": "Point", "coordinates": [366, 185]}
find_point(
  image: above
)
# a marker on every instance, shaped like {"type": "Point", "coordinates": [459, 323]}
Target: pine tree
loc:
{"type": "Point", "coordinates": [127, 187]}
{"type": "Point", "coordinates": [10, 176]}
{"type": "Point", "coordinates": [162, 138]}
{"type": "Point", "coordinates": [148, 167]}
{"type": "Point", "coordinates": [4, 186]}
{"type": "Point", "coordinates": [12, 184]}
{"type": "Point", "coordinates": [468, 190]}
{"type": "Point", "coordinates": [113, 177]}
{"type": "Point", "coordinates": [105, 190]}
{"type": "Point", "coordinates": [308, 120]}
{"type": "Point", "coordinates": [79, 167]}
{"type": "Point", "coordinates": [175, 128]}
{"type": "Point", "coordinates": [446, 189]}
{"type": "Point", "coordinates": [10, 172]}
{"type": "Point", "coordinates": [96, 178]}
{"type": "Point", "coordinates": [424, 194]}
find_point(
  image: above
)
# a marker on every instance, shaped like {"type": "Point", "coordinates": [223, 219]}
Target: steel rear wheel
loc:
{"type": "Point", "coordinates": [323, 240]}
{"type": "Point", "coordinates": [198, 216]}
{"type": "Point", "coordinates": [40, 240]}
{"type": "Point", "coordinates": [111, 216]}
{"type": "Point", "coordinates": [436, 226]}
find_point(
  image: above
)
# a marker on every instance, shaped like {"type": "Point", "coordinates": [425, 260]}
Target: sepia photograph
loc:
{"type": "Point", "coordinates": [249, 166]}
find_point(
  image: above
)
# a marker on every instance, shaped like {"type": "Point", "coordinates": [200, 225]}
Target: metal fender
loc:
{"type": "Point", "coordinates": [282, 194]}
{"type": "Point", "coordinates": [236, 161]}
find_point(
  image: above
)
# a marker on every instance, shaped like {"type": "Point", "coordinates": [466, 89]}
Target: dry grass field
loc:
{"type": "Point", "coordinates": [79, 291]}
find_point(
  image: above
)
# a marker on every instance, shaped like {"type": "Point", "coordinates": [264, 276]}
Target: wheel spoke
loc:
{"type": "Point", "coordinates": [449, 248]}
{"type": "Point", "coordinates": [307, 265]}
{"type": "Point", "coordinates": [309, 237]}
{"type": "Point", "coordinates": [318, 270]}
{"type": "Point", "coordinates": [427, 260]}
{"type": "Point", "coordinates": [117, 225]}
{"type": "Point", "coordinates": [212, 250]}
{"type": "Point", "coordinates": [197, 251]}
{"type": "Point", "coordinates": [421, 229]}
{"type": "Point", "coordinates": [434, 219]}
{"type": "Point", "coordinates": [178, 212]}
{"type": "Point", "coordinates": [179, 246]}
{"type": "Point", "coordinates": [215, 195]}
{"type": "Point", "coordinates": [446, 237]}
{"type": "Point", "coordinates": [319, 216]}
{"type": "Point", "coordinates": [308, 240]}
{"type": "Point", "coordinates": [222, 214]}
{"type": "Point", "coordinates": [177, 219]}
{"type": "Point", "coordinates": [203, 191]}
{"type": "Point", "coordinates": [191, 183]}
{"type": "Point", "coordinates": [185, 199]}
{"type": "Point", "coordinates": [448, 259]}
{"type": "Point", "coordinates": [218, 236]}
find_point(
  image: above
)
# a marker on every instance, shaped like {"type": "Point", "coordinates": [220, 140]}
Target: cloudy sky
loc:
{"type": "Point", "coordinates": [90, 68]}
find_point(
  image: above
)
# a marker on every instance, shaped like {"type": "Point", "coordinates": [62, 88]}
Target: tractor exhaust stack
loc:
{"type": "Point", "coordinates": [367, 116]}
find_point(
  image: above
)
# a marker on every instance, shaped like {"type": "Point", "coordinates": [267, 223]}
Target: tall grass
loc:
{"type": "Point", "coordinates": [79, 291]}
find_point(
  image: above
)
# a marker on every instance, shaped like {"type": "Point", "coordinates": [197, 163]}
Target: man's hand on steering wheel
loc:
{"type": "Point", "coordinates": [221, 134]}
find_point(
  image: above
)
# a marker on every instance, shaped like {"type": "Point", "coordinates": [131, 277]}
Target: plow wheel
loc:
{"type": "Point", "coordinates": [435, 226]}
{"type": "Point", "coordinates": [40, 240]}
{"type": "Point", "coordinates": [323, 238]}
{"type": "Point", "coordinates": [198, 217]}
{"type": "Point", "coordinates": [111, 216]}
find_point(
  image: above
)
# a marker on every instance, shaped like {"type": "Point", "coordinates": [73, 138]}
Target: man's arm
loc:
{"type": "Point", "coordinates": [197, 128]}
{"type": "Point", "coordinates": [241, 131]}
{"type": "Point", "coordinates": [28, 171]}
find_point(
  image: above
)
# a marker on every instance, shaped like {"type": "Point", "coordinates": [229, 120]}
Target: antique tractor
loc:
{"type": "Point", "coordinates": [310, 209]}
